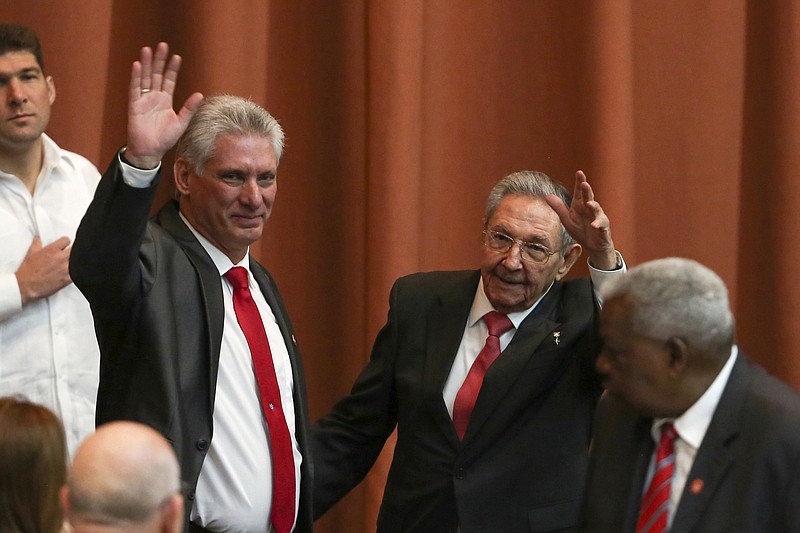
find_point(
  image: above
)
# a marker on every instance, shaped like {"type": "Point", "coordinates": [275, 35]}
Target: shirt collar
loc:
{"type": "Point", "coordinates": [693, 423]}
{"type": "Point", "coordinates": [481, 306]}
{"type": "Point", "coordinates": [220, 260]}
{"type": "Point", "coordinates": [50, 159]}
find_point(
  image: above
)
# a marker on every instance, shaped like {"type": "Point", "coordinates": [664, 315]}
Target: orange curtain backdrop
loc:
{"type": "Point", "coordinates": [401, 114]}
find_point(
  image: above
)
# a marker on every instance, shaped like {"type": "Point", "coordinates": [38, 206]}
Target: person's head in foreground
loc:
{"type": "Point", "coordinates": [124, 477]}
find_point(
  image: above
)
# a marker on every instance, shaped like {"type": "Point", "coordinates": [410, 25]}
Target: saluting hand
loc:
{"type": "Point", "coordinates": [588, 224]}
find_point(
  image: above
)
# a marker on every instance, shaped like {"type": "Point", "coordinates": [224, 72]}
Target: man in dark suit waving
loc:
{"type": "Point", "coordinates": [493, 430]}
{"type": "Point", "coordinates": [194, 337]}
{"type": "Point", "coordinates": [691, 437]}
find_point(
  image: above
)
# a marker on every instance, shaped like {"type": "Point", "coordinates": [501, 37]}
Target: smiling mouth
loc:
{"type": "Point", "coordinates": [249, 221]}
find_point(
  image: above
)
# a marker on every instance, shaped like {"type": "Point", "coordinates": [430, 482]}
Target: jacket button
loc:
{"type": "Point", "coordinates": [190, 496]}
{"type": "Point", "coordinates": [460, 473]}
{"type": "Point", "coordinates": [201, 444]}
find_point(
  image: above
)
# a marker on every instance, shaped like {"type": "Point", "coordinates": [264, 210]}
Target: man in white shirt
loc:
{"type": "Point", "coordinates": [195, 339]}
{"type": "Point", "coordinates": [48, 350]}
{"type": "Point", "coordinates": [691, 436]}
{"type": "Point", "coordinates": [124, 478]}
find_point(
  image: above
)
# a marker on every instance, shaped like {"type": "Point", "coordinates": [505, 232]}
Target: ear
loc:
{"type": "Point", "coordinates": [678, 353]}
{"type": "Point", "coordinates": [181, 169]}
{"type": "Point", "coordinates": [63, 497]}
{"type": "Point", "coordinates": [572, 254]}
{"type": "Point", "coordinates": [172, 517]}
{"type": "Point", "coordinates": [51, 89]}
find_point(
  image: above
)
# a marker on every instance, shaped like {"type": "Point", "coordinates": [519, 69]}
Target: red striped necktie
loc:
{"type": "Point", "coordinates": [654, 509]}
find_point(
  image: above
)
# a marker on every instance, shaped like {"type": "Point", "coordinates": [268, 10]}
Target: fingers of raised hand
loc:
{"type": "Point", "coordinates": [154, 72]}
{"type": "Point", "coordinates": [171, 74]}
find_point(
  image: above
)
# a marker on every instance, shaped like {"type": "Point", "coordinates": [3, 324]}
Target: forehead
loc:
{"type": "Point", "coordinates": [18, 60]}
{"type": "Point", "coordinates": [243, 151]}
{"type": "Point", "coordinates": [525, 217]}
{"type": "Point", "coordinates": [615, 317]}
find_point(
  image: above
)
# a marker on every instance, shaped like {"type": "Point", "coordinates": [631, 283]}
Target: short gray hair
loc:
{"type": "Point", "coordinates": [529, 183]}
{"type": "Point", "coordinates": [676, 297]}
{"type": "Point", "coordinates": [225, 115]}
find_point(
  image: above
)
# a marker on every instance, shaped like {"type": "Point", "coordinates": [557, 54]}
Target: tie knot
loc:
{"type": "Point", "coordinates": [237, 276]}
{"type": "Point", "coordinates": [497, 323]}
{"type": "Point", "coordinates": [668, 432]}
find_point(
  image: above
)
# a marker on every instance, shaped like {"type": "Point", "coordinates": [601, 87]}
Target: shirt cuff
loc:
{"type": "Point", "coordinates": [137, 177]}
{"type": "Point", "coordinates": [600, 277]}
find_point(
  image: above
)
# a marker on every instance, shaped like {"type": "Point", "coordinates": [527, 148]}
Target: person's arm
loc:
{"type": "Point", "coordinates": [106, 245]}
{"type": "Point", "coordinates": [346, 442]}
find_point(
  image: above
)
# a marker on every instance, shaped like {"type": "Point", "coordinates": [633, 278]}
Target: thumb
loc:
{"type": "Point", "coordinates": [35, 246]}
{"type": "Point", "coordinates": [557, 204]}
{"type": "Point", "coordinates": [189, 107]}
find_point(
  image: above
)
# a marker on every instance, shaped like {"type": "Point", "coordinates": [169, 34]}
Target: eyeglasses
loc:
{"type": "Point", "coordinates": [529, 251]}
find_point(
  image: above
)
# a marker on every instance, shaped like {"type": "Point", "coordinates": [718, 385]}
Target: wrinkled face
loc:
{"type": "Point", "coordinates": [26, 96]}
{"type": "Point", "coordinates": [232, 199]}
{"type": "Point", "coordinates": [510, 283]}
{"type": "Point", "coordinates": [636, 368]}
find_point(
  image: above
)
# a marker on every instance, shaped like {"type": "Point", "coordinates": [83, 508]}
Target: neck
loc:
{"type": "Point", "coordinates": [23, 162]}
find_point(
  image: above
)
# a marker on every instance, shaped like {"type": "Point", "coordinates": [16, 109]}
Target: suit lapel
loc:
{"type": "Point", "coordinates": [530, 353]}
{"type": "Point", "coordinates": [444, 330]}
{"type": "Point", "coordinates": [276, 304]}
{"type": "Point", "coordinates": [715, 455]}
{"type": "Point", "coordinates": [210, 285]}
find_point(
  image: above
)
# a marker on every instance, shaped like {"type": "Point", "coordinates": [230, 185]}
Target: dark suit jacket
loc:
{"type": "Point", "coordinates": [748, 463]}
{"type": "Point", "coordinates": [158, 309]}
{"type": "Point", "coordinates": [521, 466]}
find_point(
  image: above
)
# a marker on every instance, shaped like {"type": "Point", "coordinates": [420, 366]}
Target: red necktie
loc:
{"type": "Point", "coordinates": [468, 393]}
{"type": "Point", "coordinates": [283, 475]}
{"type": "Point", "coordinates": [654, 509]}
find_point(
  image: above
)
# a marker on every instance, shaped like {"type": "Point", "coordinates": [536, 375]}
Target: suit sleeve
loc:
{"type": "Point", "coordinates": [104, 259]}
{"type": "Point", "coordinates": [346, 442]}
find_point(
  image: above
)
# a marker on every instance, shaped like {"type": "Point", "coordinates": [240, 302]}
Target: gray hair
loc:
{"type": "Point", "coordinates": [676, 297]}
{"type": "Point", "coordinates": [225, 115]}
{"type": "Point", "coordinates": [529, 183]}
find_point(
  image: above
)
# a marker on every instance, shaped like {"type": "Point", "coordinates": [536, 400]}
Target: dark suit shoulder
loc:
{"type": "Point", "coordinates": [769, 402]}
{"type": "Point", "coordinates": [439, 280]}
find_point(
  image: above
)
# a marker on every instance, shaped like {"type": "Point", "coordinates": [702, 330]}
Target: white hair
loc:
{"type": "Point", "coordinates": [676, 297]}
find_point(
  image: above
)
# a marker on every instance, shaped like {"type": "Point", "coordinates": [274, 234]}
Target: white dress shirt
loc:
{"type": "Point", "coordinates": [234, 490]}
{"type": "Point", "coordinates": [691, 428]}
{"type": "Point", "coordinates": [48, 348]}
{"type": "Point", "coordinates": [475, 331]}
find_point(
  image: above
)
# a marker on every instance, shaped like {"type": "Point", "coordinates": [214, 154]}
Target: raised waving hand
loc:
{"type": "Point", "coordinates": [588, 224]}
{"type": "Point", "coordinates": [153, 125]}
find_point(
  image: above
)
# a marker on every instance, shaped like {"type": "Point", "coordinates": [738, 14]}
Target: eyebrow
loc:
{"type": "Point", "coordinates": [536, 239]}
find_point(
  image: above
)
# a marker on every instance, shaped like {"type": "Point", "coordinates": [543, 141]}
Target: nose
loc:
{"type": "Point", "coordinates": [16, 93]}
{"type": "Point", "coordinates": [513, 257]}
{"type": "Point", "coordinates": [250, 193]}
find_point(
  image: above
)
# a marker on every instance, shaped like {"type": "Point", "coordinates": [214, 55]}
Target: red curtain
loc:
{"type": "Point", "coordinates": [401, 114]}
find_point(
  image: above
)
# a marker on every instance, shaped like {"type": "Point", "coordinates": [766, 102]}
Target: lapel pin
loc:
{"type": "Point", "coordinates": [696, 487]}
{"type": "Point", "coordinates": [294, 341]}
{"type": "Point", "coordinates": [557, 337]}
